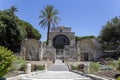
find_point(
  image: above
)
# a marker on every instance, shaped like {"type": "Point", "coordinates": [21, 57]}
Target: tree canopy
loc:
{"type": "Point", "coordinates": [31, 32]}
{"type": "Point", "coordinates": [77, 38]}
{"type": "Point", "coordinates": [13, 30]}
{"type": "Point", "coordinates": [110, 34]}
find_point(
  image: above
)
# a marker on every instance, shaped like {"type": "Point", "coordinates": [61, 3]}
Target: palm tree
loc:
{"type": "Point", "coordinates": [13, 9]}
{"type": "Point", "coordinates": [48, 18]}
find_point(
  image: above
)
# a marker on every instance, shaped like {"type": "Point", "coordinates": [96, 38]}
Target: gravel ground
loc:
{"type": "Point", "coordinates": [107, 73]}
{"type": "Point", "coordinates": [14, 73]}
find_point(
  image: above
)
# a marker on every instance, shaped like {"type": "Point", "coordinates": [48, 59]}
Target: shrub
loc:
{"type": "Point", "coordinates": [6, 60]}
{"type": "Point", "coordinates": [109, 59]}
{"type": "Point", "coordinates": [93, 67]}
{"type": "Point", "coordinates": [32, 68]}
{"type": "Point", "coordinates": [37, 67]}
{"type": "Point", "coordinates": [40, 67]}
{"type": "Point", "coordinates": [18, 63]}
{"type": "Point", "coordinates": [118, 64]}
{"type": "Point", "coordinates": [80, 67]}
{"type": "Point", "coordinates": [102, 61]}
{"type": "Point", "coordinates": [74, 67]}
{"type": "Point", "coordinates": [22, 68]}
{"type": "Point", "coordinates": [113, 64]}
{"type": "Point", "coordinates": [118, 78]}
{"type": "Point", "coordinates": [104, 67]}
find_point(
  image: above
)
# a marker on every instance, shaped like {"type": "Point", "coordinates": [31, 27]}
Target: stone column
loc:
{"type": "Point", "coordinates": [28, 68]}
{"type": "Point", "coordinates": [78, 52]}
{"type": "Point", "coordinates": [64, 54]}
{"type": "Point", "coordinates": [41, 51]}
{"type": "Point", "coordinates": [54, 53]}
{"type": "Point", "coordinates": [86, 67]}
{"type": "Point", "coordinates": [45, 67]}
{"type": "Point", "coordinates": [24, 53]}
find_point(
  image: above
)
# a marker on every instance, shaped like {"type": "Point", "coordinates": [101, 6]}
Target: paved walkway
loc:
{"type": "Point", "coordinates": [58, 66]}
{"type": "Point", "coordinates": [57, 75]}
{"type": "Point", "coordinates": [57, 71]}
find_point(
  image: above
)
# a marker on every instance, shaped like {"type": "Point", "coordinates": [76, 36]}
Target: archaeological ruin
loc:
{"type": "Point", "coordinates": [62, 45]}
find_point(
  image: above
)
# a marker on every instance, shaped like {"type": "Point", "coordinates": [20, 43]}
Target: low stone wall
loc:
{"type": "Point", "coordinates": [92, 76]}
{"type": "Point", "coordinates": [20, 77]}
{"type": "Point", "coordinates": [49, 63]}
{"type": "Point", "coordinates": [76, 63]}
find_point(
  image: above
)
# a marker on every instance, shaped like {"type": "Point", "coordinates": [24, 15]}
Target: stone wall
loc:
{"type": "Point", "coordinates": [70, 35]}
{"type": "Point", "coordinates": [31, 49]}
{"type": "Point", "coordinates": [69, 53]}
{"type": "Point", "coordinates": [87, 49]}
{"type": "Point", "coordinates": [49, 53]}
{"type": "Point", "coordinates": [91, 47]}
{"type": "Point", "coordinates": [64, 29]}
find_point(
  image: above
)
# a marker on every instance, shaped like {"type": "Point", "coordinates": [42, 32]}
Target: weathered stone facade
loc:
{"type": "Point", "coordinates": [66, 31]}
{"type": "Point", "coordinates": [31, 49]}
{"type": "Point", "coordinates": [62, 45]}
{"type": "Point", "coordinates": [90, 50]}
{"type": "Point", "coordinates": [85, 50]}
{"type": "Point", "coordinates": [67, 39]}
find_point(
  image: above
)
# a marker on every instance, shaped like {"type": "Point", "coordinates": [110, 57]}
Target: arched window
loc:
{"type": "Point", "coordinates": [60, 40]}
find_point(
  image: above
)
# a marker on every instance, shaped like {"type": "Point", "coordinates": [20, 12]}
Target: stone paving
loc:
{"type": "Point", "coordinates": [57, 71]}
{"type": "Point", "coordinates": [58, 66]}
{"type": "Point", "coordinates": [57, 75]}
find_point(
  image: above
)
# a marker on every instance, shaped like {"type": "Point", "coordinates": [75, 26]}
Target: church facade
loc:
{"type": "Point", "coordinates": [62, 45]}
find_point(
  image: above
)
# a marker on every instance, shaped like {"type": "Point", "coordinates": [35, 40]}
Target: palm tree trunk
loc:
{"type": "Point", "coordinates": [48, 33]}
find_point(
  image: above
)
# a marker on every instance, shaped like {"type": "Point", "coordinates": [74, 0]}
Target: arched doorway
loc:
{"type": "Point", "coordinates": [59, 43]}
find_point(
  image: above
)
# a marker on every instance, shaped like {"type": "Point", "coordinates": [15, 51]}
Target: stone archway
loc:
{"type": "Point", "coordinates": [59, 43]}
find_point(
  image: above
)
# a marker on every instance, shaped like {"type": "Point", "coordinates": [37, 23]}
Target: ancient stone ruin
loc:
{"type": "Point", "coordinates": [31, 49]}
{"type": "Point", "coordinates": [62, 45]}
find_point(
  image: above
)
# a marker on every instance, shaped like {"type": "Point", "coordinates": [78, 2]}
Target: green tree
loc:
{"type": "Point", "coordinates": [13, 30]}
{"type": "Point", "coordinates": [48, 18]}
{"type": "Point", "coordinates": [6, 60]}
{"type": "Point", "coordinates": [13, 9]}
{"type": "Point", "coordinates": [31, 32]}
{"type": "Point", "coordinates": [77, 38]}
{"type": "Point", "coordinates": [11, 34]}
{"type": "Point", "coordinates": [109, 35]}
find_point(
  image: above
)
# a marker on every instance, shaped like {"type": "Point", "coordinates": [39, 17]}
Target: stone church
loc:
{"type": "Point", "coordinates": [62, 45]}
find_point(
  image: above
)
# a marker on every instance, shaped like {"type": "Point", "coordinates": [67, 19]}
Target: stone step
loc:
{"type": "Point", "coordinates": [57, 75]}
{"type": "Point", "coordinates": [57, 79]}
{"type": "Point", "coordinates": [57, 71]}
{"type": "Point", "coordinates": [58, 66]}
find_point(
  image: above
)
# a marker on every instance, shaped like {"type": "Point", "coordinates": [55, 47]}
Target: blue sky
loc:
{"type": "Point", "coordinates": [85, 17]}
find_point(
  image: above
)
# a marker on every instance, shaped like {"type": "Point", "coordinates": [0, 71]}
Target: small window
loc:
{"type": "Point", "coordinates": [60, 30]}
